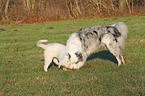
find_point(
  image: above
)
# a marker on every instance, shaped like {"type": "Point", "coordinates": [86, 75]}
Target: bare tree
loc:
{"type": "Point", "coordinates": [74, 8]}
{"type": "Point", "coordinates": [6, 9]}
{"type": "Point", "coordinates": [122, 4]}
{"type": "Point", "coordinates": [1, 6]}
{"type": "Point", "coordinates": [31, 10]}
{"type": "Point", "coordinates": [78, 7]}
{"type": "Point", "coordinates": [128, 4]}
{"type": "Point", "coordinates": [29, 5]}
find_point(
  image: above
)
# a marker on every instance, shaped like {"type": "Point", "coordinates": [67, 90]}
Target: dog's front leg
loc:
{"type": "Point", "coordinates": [47, 63]}
{"type": "Point", "coordinates": [55, 60]}
{"type": "Point", "coordinates": [122, 59]}
{"type": "Point", "coordinates": [59, 66]}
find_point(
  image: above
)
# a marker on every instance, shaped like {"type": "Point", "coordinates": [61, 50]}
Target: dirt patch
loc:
{"type": "Point", "coordinates": [2, 29]}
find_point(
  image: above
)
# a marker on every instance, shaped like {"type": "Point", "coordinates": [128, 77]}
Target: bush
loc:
{"type": "Point", "coordinates": [46, 10]}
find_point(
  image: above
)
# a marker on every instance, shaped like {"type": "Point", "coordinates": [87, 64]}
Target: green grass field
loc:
{"type": "Point", "coordinates": [21, 61]}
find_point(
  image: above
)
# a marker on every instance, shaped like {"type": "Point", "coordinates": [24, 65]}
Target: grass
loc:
{"type": "Point", "coordinates": [21, 61]}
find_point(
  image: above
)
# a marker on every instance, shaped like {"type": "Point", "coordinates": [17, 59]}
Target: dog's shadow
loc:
{"type": "Point", "coordinates": [51, 64]}
{"type": "Point", "coordinates": [105, 55]}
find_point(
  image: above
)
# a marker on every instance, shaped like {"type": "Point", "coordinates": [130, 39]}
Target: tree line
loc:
{"type": "Point", "coordinates": [50, 10]}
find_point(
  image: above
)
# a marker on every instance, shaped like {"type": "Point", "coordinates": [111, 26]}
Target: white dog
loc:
{"type": "Point", "coordinates": [56, 52]}
{"type": "Point", "coordinates": [86, 41]}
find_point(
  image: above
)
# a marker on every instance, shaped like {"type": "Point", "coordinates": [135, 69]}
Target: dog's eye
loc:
{"type": "Point", "coordinates": [69, 56]}
{"type": "Point", "coordinates": [79, 55]}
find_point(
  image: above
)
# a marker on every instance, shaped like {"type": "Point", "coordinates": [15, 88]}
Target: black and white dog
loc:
{"type": "Point", "coordinates": [86, 41]}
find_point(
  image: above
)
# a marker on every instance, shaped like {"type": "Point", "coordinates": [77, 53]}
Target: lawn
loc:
{"type": "Point", "coordinates": [21, 61]}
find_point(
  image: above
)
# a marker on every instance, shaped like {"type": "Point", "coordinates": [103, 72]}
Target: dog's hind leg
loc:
{"type": "Point", "coordinates": [119, 61]}
{"type": "Point", "coordinates": [115, 50]}
{"type": "Point", "coordinates": [115, 47]}
{"type": "Point", "coordinates": [122, 59]}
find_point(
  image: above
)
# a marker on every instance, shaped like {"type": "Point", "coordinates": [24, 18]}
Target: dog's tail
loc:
{"type": "Point", "coordinates": [122, 27]}
{"type": "Point", "coordinates": [39, 44]}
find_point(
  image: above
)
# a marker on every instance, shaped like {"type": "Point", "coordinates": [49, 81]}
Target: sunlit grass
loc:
{"type": "Point", "coordinates": [21, 64]}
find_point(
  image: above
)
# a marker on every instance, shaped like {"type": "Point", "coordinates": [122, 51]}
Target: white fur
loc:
{"type": "Point", "coordinates": [114, 44]}
{"type": "Point", "coordinates": [121, 26]}
{"type": "Point", "coordinates": [54, 50]}
{"type": "Point", "coordinates": [73, 45]}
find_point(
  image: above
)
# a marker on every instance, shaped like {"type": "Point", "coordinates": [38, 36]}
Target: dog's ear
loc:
{"type": "Point", "coordinates": [80, 29]}
{"type": "Point", "coordinates": [79, 55]}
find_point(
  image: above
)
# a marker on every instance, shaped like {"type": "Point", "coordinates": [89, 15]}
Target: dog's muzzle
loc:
{"type": "Point", "coordinates": [59, 66]}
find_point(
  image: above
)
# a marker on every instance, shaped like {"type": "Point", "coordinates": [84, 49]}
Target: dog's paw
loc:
{"type": "Point", "coordinates": [65, 69]}
{"type": "Point", "coordinates": [119, 64]}
{"type": "Point", "coordinates": [45, 69]}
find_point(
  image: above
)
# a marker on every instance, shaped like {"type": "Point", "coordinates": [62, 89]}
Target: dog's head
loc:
{"type": "Point", "coordinates": [65, 61]}
{"type": "Point", "coordinates": [70, 59]}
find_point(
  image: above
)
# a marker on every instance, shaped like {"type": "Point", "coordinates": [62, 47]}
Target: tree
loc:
{"type": "Point", "coordinates": [6, 9]}
{"type": "Point", "coordinates": [122, 4]}
{"type": "Point", "coordinates": [73, 8]}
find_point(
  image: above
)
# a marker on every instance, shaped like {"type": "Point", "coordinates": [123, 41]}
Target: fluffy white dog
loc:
{"type": "Point", "coordinates": [86, 41]}
{"type": "Point", "coordinates": [56, 52]}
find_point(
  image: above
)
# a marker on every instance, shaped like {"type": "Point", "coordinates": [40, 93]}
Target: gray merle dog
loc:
{"type": "Point", "coordinates": [86, 41]}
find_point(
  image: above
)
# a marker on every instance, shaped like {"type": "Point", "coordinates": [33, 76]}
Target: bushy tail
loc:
{"type": "Point", "coordinates": [39, 44]}
{"type": "Point", "coordinates": [122, 27]}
